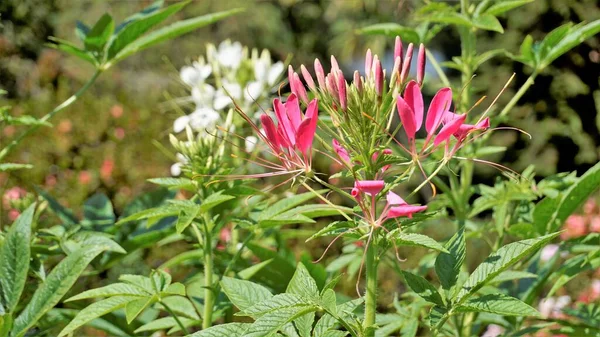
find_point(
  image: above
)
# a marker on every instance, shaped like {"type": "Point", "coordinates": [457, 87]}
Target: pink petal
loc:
{"type": "Point", "coordinates": [405, 210]}
{"type": "Point", "coordinates": [368, 63]}
{"type": "Point", "coordinates": [320, 74]}
{"type": "Point", "coordinates": [371, 187]}
{"type": "Point", "coordinates": [407, 117]}
{"type": "Point", "coordinates": [312, 110]}
{"type": "Point", "coordinates": [394, 199]}
{"type": "Point", "coordinates": [449, 129]}
{"type": "Point", "coordinates": [270, 131]}
{"type": "Point", "coordinates": [398, 48]}
{"type": "Point", "coordinates": [407, 63]}
{"type": "Point", "coordinates": [484, 124]}
{"type": "Point", "coordinates": [341, 152]}
{"type": "Point", "coordinates": [285, 126]}
{"type": "Point", "coordinates": [307, 78]}
{"type": "Point", "coordinates": [421, 64]}
{"type": "Point", "coordinates": [292, 108]}
{"type": "Point", "coordinates": [414, 99]}
{"type": "Point", "coordinates": [300, 89]}
{"type": "Point", "coordinates": [307, 129]}
{"type": "Point", "coordinates": [341, 84]}
{"type": "Point", "coordinates": [291, 79]}
{"type": "Point", "coordinates": [439, 105]}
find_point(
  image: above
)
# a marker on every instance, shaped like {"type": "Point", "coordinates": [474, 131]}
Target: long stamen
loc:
{"type": "Point", "coordinates": [497, 97]}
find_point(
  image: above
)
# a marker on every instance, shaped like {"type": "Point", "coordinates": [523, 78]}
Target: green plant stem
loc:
{"type": "Point", "coordinates": [371, 293]}
{"type": "Point", "coordinates": [5, 151]}
{"type": "Point", "coordinates": [209, 295]}
{"type": "Point", "coordinates": [515, 99]}
{"type": "Point", "coordinates": [183, 328]}
{"type": "Point", "coordinates": [438, 69]}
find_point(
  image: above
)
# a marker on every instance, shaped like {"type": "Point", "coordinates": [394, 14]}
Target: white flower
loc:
{"type": "Point", "coordinates": [253, 91]}
{"type": "Point", "coordinates": [266, 72]}
{"type": "Point", "coordinates": [203, 118]}
{"type": "Point", "coordinates": [493, 330]}
{"type": "Point", "coordinates": [250, 143]}
{"type": "Point", "coordinates": [180, 123]}
{"type": "Point", "coordinates": [548, 252]}
{"type": "Point", "coordinates": [176, 169]}
{"type": "Point", "coordinates": [229, 54]}
{"type": "Point", "coordinates": [195, 74]}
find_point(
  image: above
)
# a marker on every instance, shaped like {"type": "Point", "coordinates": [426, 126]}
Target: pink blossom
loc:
{"type": "Point", "coordinates": [575, 226]}
{"type": "Point", "coordinates": [397, 207]}
{"type": "Point", "coordinates": [370, 187]}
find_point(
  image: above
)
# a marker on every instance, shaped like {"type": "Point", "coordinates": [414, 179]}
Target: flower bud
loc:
{"type": "Point", "coordinates": [320, 74]}
{"type": "Point", "coordinates": [421, 65]}
{"type": "Point", "coordinates": [406, 65]}
{"type": "Point", "coordinates": [395, 71]}
{"type": "Point", "coordinates": [334, 64]}
{"type": "Point", "coordinates": [368, 63]}
{"type": "Point", "coordinates": [300, 90]}
{"type": "Point", "coordinates": [357, 81]}
{"type": "Point", "coordinates": [378, 77]}
{"type": "Point", "coordinates": [341, 84]}
{"type": "Point", "coordinates": [291, 80]}
{"type": "Point", "coordinates": [307, 78]}
{"type": "Point", "coordinates": [398, 49]}
{"type": "Point", "coordinates": [331, 85]}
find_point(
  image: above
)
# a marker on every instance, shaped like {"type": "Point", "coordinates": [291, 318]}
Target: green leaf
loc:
{"type": "Point", "coordinates": [317, 211]}
{"type": "Point", "coordinates": [175, 183]}
{"type": "Point", "coordinates": [498, 304]}
{"type": "Point", "coordinates": [505, 5]}
{"type": "Point", "coordinates": [501, 260]}
{"type": "Point", "coordinates": [273, 303]}
{"type": "Point", "coordinates": [96, 310]}
{"type": "Point", "coordinates": [407, 34]}
{"type": "Point", "coordinates": [134, 308]}
{"type": "Point", "coordinates": [334, 228]}
{"type": "Point", "coordinates": [171, 31]}
{"type": "Point", "coordinates": [14, 260]}
{"type": "Point", "coordinates": [269, 324]}
{"type": "Point", "coordinates": [4, 167]}
{"type": "Point", "coordinates": [71, 49]}
{"type": "Point", "coordinates": [512, 275]}
{"type": "Point", "coordinates": [487, 22]}
{"type": "Point", "coordinates": [57, 283]}
{"type": "Point", "coordinates": [181, 306]}
{"type": "Point", "coordinates": [447, 265]}
{"type": "Point", "coordinates": [185, 218]}
{"type": "Point", "coordinates": [174, 289]}
{"type": "Point", "coordinates": [214, 200]}
{"type": "Point", "coordinates": [165, 323]}
{"type": "Point", "coordinates": [81, 30]}
{"type": "Point", "coordinates": [98, 210]}
{"type": "Point", "coordinates": [579, 192]}
{"type": "Point", "coordinates": [285, 219]}
{"type": "Point", "coordinates": [543, 214]}
{"type": "Point", "coordinates": [423, 288]}
{"type": "Point", "coordinates": [114, 289]}
{"type": "Point", "coordinates": [303, 285]}
{"type": "Point", "coordinates": [223, 330]}
{"type": "Point", "coordinates": [344, 312]}
{"type": "Point", "coordinates": [97, 37]}
{"type": "Point", "coordinates": [413, 239]}
{"type": "Point", "coordinates": [576, 36]}
{"type": "Point", "coordinates": [287, 204]}
{"type": "Point", "coordinates": [138, 27]}
{"type": "Point", "coordinates": [244, 294]}
{"type": "Point", "coordinates": [63, 213]}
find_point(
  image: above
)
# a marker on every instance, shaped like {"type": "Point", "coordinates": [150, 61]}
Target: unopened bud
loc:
{"type": "Point", "coordinates": [421, 64]}
{"type": "Point", "coordinates": [291, 80]}
{"type": "Point", "coordinates": [406, 65]}
{"type": "Point", "coordinates": [368, 63]}
{"type": "Point", "coordinates": [395, 71]}
{"type": "Point", "coordinates": [334, 63]}
{"type": "Point", "coordinates": [341, 84]}
{"type": "Point", "coordinates": [320, 74]}
{"type": "Point", "coordinates": [331, 85]}
{"type": "Point", "coordinates": [307, 78]}
{"type": "Point", "coordinates": [378, 77]}
{"type": "Point", "coordinates": [357, 81]}
{"type": "Point", "coordinates": [300, 90]}
{"type": "Point", "coordinates": [398, 49]}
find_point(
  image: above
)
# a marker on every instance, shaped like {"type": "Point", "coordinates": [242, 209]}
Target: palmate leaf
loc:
{"type": "Point", "coordinates": [57, 283]}
{"type": "Point", "coordinates": [498, 304]}
{"type": "Point", "coordinates": [171, 31]}
{"type": "Point", "coordinates": [304, 285]}
{"type": "Point", "coordinates": [96, 310]}
{"type": "Point", "coordinates": [499, 261]}
{"type": "Point", "coordinates": [14, 259]}
{"type": "Point", "coordinates": [224, 330]}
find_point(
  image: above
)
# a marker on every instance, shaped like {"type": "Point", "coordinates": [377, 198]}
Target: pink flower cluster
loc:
{"type": "Point", "coordinates": [10, 201]}
{"type": "Point", "coordinates": [578, 225]}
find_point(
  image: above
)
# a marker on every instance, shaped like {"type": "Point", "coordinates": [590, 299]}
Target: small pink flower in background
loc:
{"type": "Point", "coordinates": [595, 224]}
{"type": "Point", "coordinates": [548, 252]}
{"type": "Point", "coordinates": [50, 180]}
{"type": "Point", "coordinates": [106, 169]}
{"type": "Point", "coordinates": [65, 126]}
{"type": "Point", "coordinates": [551, 307]}
{"type": "Point", "coordinates": [575, 226]}
{"type": "Point", "coordinates": [13, 194]}
{"type": "Point", "coordinates": [341, 151]}
{"type": "Point", "coordinates": [592, 294]}
{"type": "Point", "coordinates": [13, 214]}
{"type": "Point", "coordinates": [85, 177]}
{"type": "Point", "coordinates": [9, 130]}
{"type": "Point", "coordinates": [590, 207]}
{"type": "Point", "coordinates": [116, 111]}
{"type": "Point", "coordinates": [119, 133]}
{"type": "Point", "coordinates": [493, 330]}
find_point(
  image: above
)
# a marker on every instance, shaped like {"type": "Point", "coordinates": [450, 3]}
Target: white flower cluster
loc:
{"type": "Point", "coordinates": [228, 72]}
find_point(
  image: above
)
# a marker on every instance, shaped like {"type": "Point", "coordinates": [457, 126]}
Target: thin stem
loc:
{"type": "Point", "coordinates": [438, 69]}
{"type": "Point", "coordinates": [519, 94]}
{"type": "Point", "coordinates": [326, 201]}
{"type": "Point", "coordinates": [183, 328]}
{"type": "Point", "coordinates": [209, 295]}
{"type": "Point", "coordinates": [371, 262]}
{"type": "Point", "coordinates": [49, 115]}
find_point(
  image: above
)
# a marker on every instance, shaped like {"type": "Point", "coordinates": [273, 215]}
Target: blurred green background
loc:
{"type": "Point", "coordinates": [105, 142]}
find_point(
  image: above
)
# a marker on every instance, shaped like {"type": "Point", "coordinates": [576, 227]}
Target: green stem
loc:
{"type": "Point", "coordinates": [515, 99]}
{"type": "Point", "coordinates": [183, 328]}
{"type": "Point", "coordinates": [49, 115]}
{"type": "Point", "coordinates": [438, 69]}
{"type": "Point", "coordinates": [209, 295]}
{"type": "Point", "coordinates": [371, 294]}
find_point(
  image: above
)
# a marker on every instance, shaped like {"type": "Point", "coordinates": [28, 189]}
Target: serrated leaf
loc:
{"type": "Point", "coordinates": [423, 288]}
{"type": "Point", "coordinates": [499, 304]}
{"type": "Point", "coordinates": [181, 306]}
{"type": "Point", "coordinates": [57, 283]}
{"type": "Point", "coordinates": [244, 294]}
{"type": "Point", "coordinates": [274, 303]}
{"type": "Point", "coordinates": [344, 312]}
{"type": "Point", "coordinates": [499, 261]}
{"type": "Point", "coordinates": [136, 28]}
{"type": "Point", "coordinates": [134, 308]}
{"type": "Point", "coordinates": [97, 37]}
{"type": "Point", "coordinates": [114, 289]}
{"type": "Point", "coordinates": [543, 214]}
{"type": "Point", "coordinates": [334, 228]}
{"type": "Point", "coordinates": [268, 324]}
{"type": "Point", "coordinates": [287, 204]}
{"type": "Point", "coordinates": [317, 211]}
{"type": "Point", "coordinates": [15, 252]}
{"type": "Point", "coordinates": [96, 310]}
{"type": "Point", "coordinates": [302, 284]}
{"type": "Point", "coordinates": [223, 330]}
{"type": "Point", "coordinates": [185, 218]}
{"type": "Point", "coordinates": [163, 324]}
{"type": "Point", "coordinates": [413, 239]}
{"type": "Point", "coordinates": [214, 200]}
{"type": "Point", "coordinates": [447, 265]}
{"type": "Point", "coordinates": [171, 31]}
{"type": "Point", "coordinates": [512, 275]}
{"type": "Point", "coordinates": [505, 5]}
{"type": "Point", "coordinates": [575, 36]}
{"type": "Point", "coordinates": [170, 182]}
{"type": "Point", "coordinates": [407, 34]}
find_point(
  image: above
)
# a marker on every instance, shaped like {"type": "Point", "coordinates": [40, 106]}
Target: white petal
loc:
{"type": "Point", "coordinates": [250, 143]}
{"type": "Point", "coordinates": [233, 89]}
{"type": "Point", "coordinates": [181, 157]}
{"type": "Point", "coordinates": [221, 101]}
{"type": "Point", "coordinates": [260, 70]}
{"type": "Point", "coordinates": [253, 91]}
{"type": "Point", "coordinates": [274, 73]}
{"type": "Point", "coordinates": [176, 169]}
{"type": "Point", "coordinates": [180, 123]}
{"type": "Point", "coordinates": [204, 71]}
{"type": "Point", "coordinates": [189, 75]}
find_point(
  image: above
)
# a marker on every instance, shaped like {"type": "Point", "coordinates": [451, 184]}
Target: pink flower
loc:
{"type": "Point", "coordinates": [341, 151]}
{"type": "Point", "coordinates": [397, 207]}
{"type": "Point", "coordinates": [575, 226]}
{"type": "Point", "coordinates": [370, 187]}
{"type": "Point", "coordinates": [595, 224]}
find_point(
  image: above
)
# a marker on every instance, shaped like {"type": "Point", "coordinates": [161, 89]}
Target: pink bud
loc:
{"type": "Point", "coordinates": [291, 80]}
{"type": "Point", "coordinates": [395, 70]}
{"type": "Point", "coordinates": [398, 48]}
{"type": "Point", "coordinates": [355, 193]}
{"type": "Point", "coordinates": [300, 90]}
{"type": "Point", "coordinates": [378, 78]}
{"type": "Point", "coordinates": [421, 64]}
{"type": "Point", "coordinates": [334, 63]}
{"type": "Point", "coordinates": [320, 74]}
{"type": "Point", "coordinates": [357, 81]}
{"type": "Point", "coordinates": [406, 65]}
{"type": "Point", "coordinates": [341, 84]}
{"type": "Point", "coordinates": [331, 85]}
{"type": "Point", "coordinates": [368, 63]}
{"type": "Point", "coordinates": [307, 78]}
